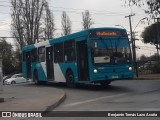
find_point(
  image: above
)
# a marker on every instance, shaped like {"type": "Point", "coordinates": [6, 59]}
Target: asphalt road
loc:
{"type": "Point", "coordinates": [131, 95]}
{"type": "Point", "coordinates": [120, 95]}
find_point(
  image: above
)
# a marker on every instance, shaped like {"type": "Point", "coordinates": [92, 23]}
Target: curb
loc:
{"type": "Point", "coordinates": [146, 78]}
{"type": "Point", "coordinates": [58, 102]}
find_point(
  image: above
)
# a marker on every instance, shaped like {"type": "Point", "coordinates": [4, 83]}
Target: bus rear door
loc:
{"type": "Point", "coordinates": [49, 63]}
{"type": "Point", "coordinates": [28, 64]}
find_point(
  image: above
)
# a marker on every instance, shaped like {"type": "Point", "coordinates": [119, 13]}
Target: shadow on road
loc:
{"type": "Point", "coordinates": [88, 87]}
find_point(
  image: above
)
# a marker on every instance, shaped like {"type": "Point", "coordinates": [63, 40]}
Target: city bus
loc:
{"type": "Point", "coordinates": [97, 55]}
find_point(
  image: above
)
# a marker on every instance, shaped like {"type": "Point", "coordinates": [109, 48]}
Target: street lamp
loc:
{"type": "Point", "coordinates": [133, 40]}
{"type": "Point", "coordinates": [139, 22]}
{"type": "Point", "coordinates": [134, 46]}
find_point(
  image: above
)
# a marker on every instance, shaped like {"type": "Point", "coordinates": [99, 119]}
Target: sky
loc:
{"type": "Point", "coordinates": [105, 13]}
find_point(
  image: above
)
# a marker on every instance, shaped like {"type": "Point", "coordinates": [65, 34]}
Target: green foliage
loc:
{"type": "Point", "coordinates": [150, 34]}
{"type": "Point", "coordinates": [149, 64]}
{"type": "Point", "coordinates": [156, 68]}
{"type": "Point", "coordinates": [18, 61]}
{"type": "Point", "coordinates": [143, 58]}
{"type": "Point", "coordinates": [10, 61]}
{"type": "Point", "coordinates": [6, 52]}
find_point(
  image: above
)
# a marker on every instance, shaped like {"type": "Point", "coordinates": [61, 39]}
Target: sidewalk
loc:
{"type": "Point", "coordinates": [147, 77]}
{"type": "Point", "coordinates": [30, 98]}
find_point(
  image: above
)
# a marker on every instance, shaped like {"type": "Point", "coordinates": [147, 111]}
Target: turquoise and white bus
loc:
{"type": "Point", "coordinates": [98, 55]}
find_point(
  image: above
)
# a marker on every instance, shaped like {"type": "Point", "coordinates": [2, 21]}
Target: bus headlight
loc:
{"type": "Point", "coordinates": [95, 71]}
{"type": "Point", "coordinates": [130, 68]}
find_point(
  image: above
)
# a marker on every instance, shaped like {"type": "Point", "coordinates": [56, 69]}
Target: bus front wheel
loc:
{"type": "Point", "coordinates": [70, 79]}
{"type": "Point", "coordinates": [36, 81]}
{"type": "Point", "coordinates": [106, 83]}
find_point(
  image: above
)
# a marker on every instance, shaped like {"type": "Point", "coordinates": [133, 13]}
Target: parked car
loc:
{"type": "Point", "coordinates": [6, 77]}
{"type": "Point", "coordinates": [14, 79]}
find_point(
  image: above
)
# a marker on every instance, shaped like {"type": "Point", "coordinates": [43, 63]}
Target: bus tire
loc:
{"type": "Point", "coordinates": [36, 81]}
{"type": "Point", "coordinates": [70, 79]}
{"type": "Point", "coordinates": [106, 83]}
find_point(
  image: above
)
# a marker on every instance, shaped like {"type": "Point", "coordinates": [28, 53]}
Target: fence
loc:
{"type": "Point", "coordinates": [148, 67]}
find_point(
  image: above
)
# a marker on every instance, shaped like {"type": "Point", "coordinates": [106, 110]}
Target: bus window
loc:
{"type": "Point", "coordinates": [69, 48]}
{"type": "Point", "coordinates": [41, 54]}
{"type": "Point", "coordinates": [58, 52]}
{"type": "Point", "coordinates": [34, 55]}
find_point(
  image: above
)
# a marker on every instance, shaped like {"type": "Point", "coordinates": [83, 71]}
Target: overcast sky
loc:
{"type": "Point", "coordinates": [105, 13]}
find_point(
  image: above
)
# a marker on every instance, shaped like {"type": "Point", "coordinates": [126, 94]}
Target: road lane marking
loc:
{"type": "Point", "coordinates": [93, 100]}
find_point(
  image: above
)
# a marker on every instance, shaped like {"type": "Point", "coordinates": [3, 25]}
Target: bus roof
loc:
{"type": "Point", "coordinates": [108, 28]}
{"type": "Point", "coordinates": [82, 33]}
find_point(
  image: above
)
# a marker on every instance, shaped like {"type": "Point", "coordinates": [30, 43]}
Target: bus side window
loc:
{"type": "Point", "coordinates": [69, 51]}
{"type": "Point", "coordinates": [41, 54]}
{"type": "Point", "coordinates": [58, 52]}
{"type": "Point", "coordinates": [34, 55]}
{"type": "Point", "coordinates": [24, 56]}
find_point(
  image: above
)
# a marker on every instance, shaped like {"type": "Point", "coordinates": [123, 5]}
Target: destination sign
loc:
{"type": "Point", "coordinates": [111, 33]}
{"type": "Point", "coordinates": [108, 33]}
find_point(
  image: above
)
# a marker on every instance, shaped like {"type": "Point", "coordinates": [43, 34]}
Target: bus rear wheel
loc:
{"type": "Point", "coordinates": [70, 79]}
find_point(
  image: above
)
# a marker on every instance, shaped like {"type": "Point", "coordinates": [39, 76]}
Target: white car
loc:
{"type": "Point", "coordinates": [16, 78]}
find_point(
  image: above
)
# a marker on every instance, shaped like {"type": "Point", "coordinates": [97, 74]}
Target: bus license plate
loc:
{"type": "Point", "coordinates": [115, 76]}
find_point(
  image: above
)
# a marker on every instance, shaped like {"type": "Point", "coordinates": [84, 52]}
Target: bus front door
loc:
{"type": "Point", "coordinates": [49, 63]}
{"type": "Point", "coordinates": [28, 64]}
{"type": "Point", "coordinates": [82, 60]}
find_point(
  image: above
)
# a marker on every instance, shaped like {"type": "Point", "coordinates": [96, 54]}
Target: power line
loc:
{"type": "Point", "coordinates": [19, 37]}
{"type": "Point", "coordinates": [75, 10]}
{"type": "Point", "coordinates": [5, 6]}
{"type": "Point", "coordinates": [4, 1]}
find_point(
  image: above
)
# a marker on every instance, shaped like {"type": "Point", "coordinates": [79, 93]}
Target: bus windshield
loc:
{"type": "Point", "coordinates": [111, 51]}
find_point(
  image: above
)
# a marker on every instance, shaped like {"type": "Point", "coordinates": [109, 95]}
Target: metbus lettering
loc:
{"type": "Point", "coordinates": [106, 33]}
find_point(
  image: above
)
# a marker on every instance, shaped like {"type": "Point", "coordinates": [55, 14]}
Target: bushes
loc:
{"type": "Point", "coordinates": [156, 68]}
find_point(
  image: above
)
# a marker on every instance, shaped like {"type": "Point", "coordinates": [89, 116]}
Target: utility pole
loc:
{"type": "Point", "coordinates": [158, 36]}
{"type": "Point", "coordinates": [131, 33]}
{"type": "Point", "coordinates": [133, 43]}
{"type": "Point", "coordinates": [1, 74]}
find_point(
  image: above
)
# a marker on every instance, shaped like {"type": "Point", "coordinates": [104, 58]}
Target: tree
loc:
{"type": "Point", "coordinates": [17, 58]}
{"type": "Point", "coordinates": [7, 57]}
{"type": "Point", "coordinates": [143, 58]}
{"type": "Point", "coordinates": [87, 20]}
{"type": "Point", "coordinates": [27, 23]}
{"type": "Point", "coordinates": [66, 24]}
{"type": "Point", "coordinates": [150, 34]}
{"type": "Point", "coordinates": [49, 28]}
{"type": "Point", "coordinates": [153, 6]}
